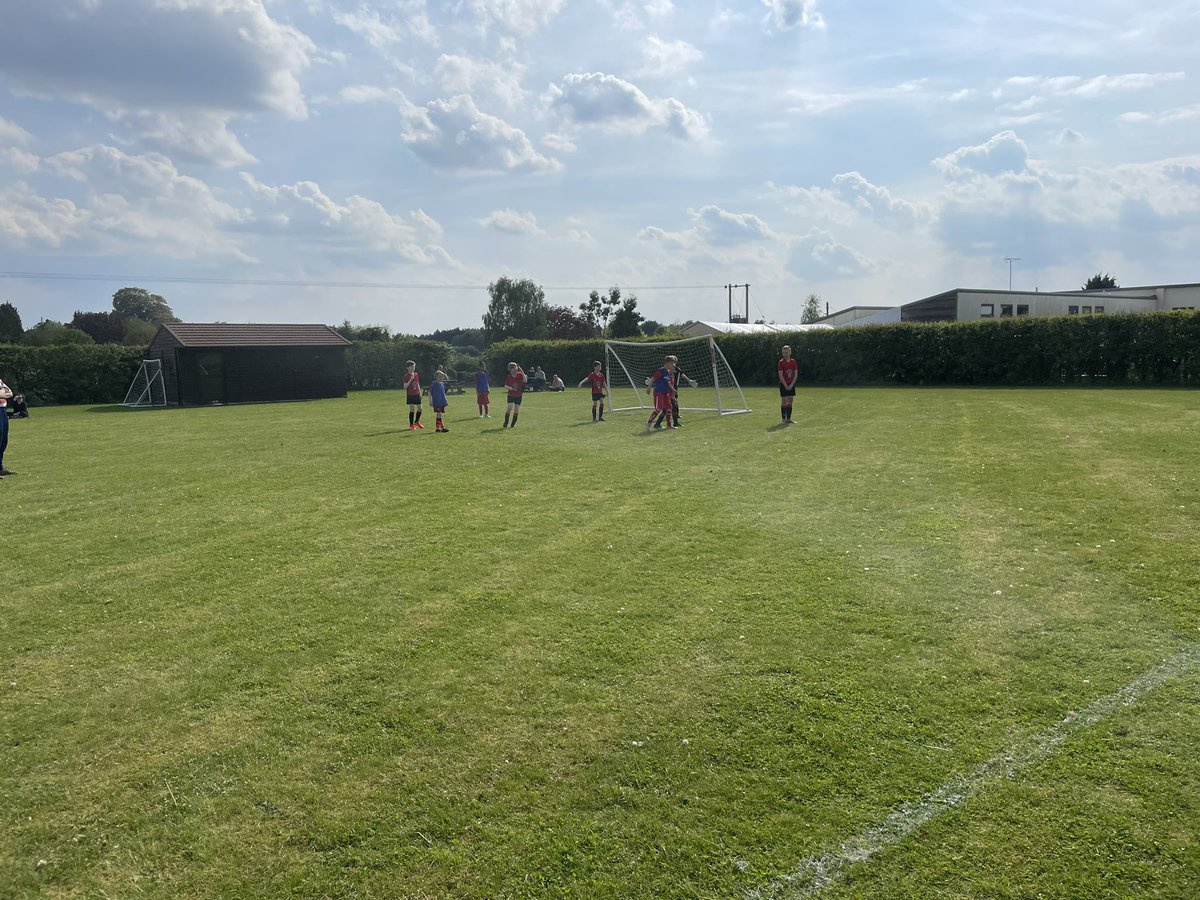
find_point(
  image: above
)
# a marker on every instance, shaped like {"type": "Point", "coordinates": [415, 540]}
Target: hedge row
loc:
{"type": "Point", "coordinates": [70, 373]}
{"type": "Point", "coordinates": [375, 365]}
{"type": "Point", "coordinates": [1145, 348]}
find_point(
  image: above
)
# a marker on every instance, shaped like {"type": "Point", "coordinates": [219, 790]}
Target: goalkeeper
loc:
{"type": "Point", "coordinates": [599, 390]}
{"type": "Point", "coordinates": [675, 378]}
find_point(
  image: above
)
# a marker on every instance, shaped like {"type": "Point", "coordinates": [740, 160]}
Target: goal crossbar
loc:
{"type": "Point", "coordinates": [706, 383]}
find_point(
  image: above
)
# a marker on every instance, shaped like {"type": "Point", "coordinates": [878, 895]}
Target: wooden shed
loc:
{"type": "Point", "coordinates": [228, 363]}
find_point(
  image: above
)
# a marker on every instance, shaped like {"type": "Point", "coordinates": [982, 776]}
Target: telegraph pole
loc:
{"type": "Point", "coordinates": [729, 289]}
{"type": "Point", "coordinates": [1010, 260]}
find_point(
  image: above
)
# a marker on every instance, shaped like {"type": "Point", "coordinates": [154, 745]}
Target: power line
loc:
{"type": "Point", "coordinates": [283, 282]}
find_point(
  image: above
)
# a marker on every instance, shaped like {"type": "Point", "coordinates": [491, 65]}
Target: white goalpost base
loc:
{"type": "Point", "coordinates": [627, 365]}
{"type": "Point", "coordinates": [148, 388]}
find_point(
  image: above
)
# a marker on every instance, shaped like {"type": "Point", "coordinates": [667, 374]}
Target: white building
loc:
{"type": "Point", "coordinates": [966, 305]}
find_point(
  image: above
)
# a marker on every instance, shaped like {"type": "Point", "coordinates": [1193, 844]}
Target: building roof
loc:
{"type": "Point", "coordinates": [227, 334]}
{"type": "Point", "coordinates": [755, 327]}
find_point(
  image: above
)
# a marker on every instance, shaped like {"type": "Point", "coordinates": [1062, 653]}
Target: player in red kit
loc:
{"type": "Point", "coordinates": [788, 371]}
{"type": "Point", "coordinates": [412, 387]}
{"type": "Point", "coordinates": [599, 390]}
{"type": "Point", "coordinates": [515, 382]}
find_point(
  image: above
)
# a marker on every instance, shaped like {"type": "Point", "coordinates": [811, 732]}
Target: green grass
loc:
{"type": "Point", "coordinates": [296, 650]}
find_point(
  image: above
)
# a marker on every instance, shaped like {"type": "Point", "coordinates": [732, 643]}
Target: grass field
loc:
{"type": "Point", "coordinates": [295, 650]}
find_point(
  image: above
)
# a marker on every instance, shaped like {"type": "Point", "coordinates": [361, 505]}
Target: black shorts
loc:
{"type": "Point", "coordinates": [596, 398]}
{"type": "Point", "coordinates": [787, 392]}
{"type": "Point", "coordinates": [414, 400]}
{"type": "Point", "coordinates": [515, 401]}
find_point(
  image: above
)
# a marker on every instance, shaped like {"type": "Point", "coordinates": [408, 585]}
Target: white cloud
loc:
{"type": "Point", "coordinates": [454, 134]}
{"type": "Point", "coordinates": [19, 161]}
{"type": "Point", "coordinates": [305, 213]}
{"type": "Point", "coordinates": [817, 256]}
{"type": "Point", "coordinates": [464, 75]}
{"type": "Point", "coordinates": [613, 104]}
{"type": "Point", "coordinates": [142, 61]}
{"type": "Point", "coordinates": [199, 136]}
{"type": "Point", "coordinates": [788, 14]}
{"type": "Point", "coordinates": [875, 202]}
{"type": "Point", "coordinates": [559, 143]}
{"type": "Point", "coordinates": [1087, 88]}
{"type": "Point", "coordinates": [13, 134]}
{"type": "Point", "coordinates": [724, 228]}
{"type": "Point", "coordinates": [667, 57]}
{"type": "Point", "coordinates": [27, 220]}
{"type": "Point", "coordinates": [1165, 117]}
{"type": "Point", "coordinates": [126, 201]}
{"type": "Point", "coordinates": [522, 17]}
{"type": "Point", "coordinates": [368, 25]}
{"type": "Point", "coordinates": [509, 221]}
{"type": "Point", "coordinates": [1004, 152]}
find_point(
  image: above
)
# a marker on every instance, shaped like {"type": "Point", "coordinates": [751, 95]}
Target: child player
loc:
{"type": "Point", "coordinates": [663, 389]}
{"type": "Point", "coordinates": [482, 387]}
{"type": "Point", "coordinates": [412, 387]}
{"type": "Point", "coordinates": [676, 376]}
{"type": "Point", "coordinates": [515, 382]}
{"type": "Point", "coordinates": [788, 370]}
{"type": "Point", "coordinates": [437, 399]}
{"type": "Point", "coordinates": [599, 390]}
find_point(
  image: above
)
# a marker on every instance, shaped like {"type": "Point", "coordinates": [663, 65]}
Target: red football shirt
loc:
{"type": "Point", "coordinates": [788, 369]}
{"type": "Point", "coordinates": [515, 383]}
{"type": "Point", "coordinates": [412, 383]}
{"type": "Point", "coordinates": [597, 380]}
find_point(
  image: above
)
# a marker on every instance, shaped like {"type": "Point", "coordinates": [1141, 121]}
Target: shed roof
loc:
{"type": "Point", "coordinates": [227, 334]}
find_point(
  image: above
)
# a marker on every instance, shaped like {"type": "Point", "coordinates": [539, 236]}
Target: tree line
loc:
{"type": "Point", "coordinates": [133, 320]}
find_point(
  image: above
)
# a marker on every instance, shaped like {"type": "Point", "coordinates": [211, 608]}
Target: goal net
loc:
{"type": "Point", "coordinates": [148, 388]}
{"type": "Point", "coordinates": [706, 382]}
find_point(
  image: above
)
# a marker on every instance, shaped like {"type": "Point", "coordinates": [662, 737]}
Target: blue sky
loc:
{"type": "Point", "coordinates": [311, 150]}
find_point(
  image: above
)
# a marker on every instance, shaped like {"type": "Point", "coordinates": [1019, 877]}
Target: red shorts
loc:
{"type": "Point", "coordinates": [439, 409]}
{"type": "Point", "coordinates": [662, 402]}
{"type": "Point", "coordinates": [481, 398]}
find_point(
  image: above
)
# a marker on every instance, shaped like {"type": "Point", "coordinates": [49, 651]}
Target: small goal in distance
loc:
{"type": "Point", "coordinates": [627, 365]}
{"type": "Point", "coordinates": [148, 388]}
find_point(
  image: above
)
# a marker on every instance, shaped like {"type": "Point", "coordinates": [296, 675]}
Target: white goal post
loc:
{"type": "Point", "coordinates": [148, 388]}
{"type": "Point", "coordinates": [706, 384]}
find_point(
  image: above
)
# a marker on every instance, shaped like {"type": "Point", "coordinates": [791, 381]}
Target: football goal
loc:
{"type": "Point", "coordinates": [148, 388]}
{"type": "Point", "coordinates": [706, 382]}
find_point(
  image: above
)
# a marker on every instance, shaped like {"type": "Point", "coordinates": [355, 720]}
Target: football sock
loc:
{"type": "Point", "coordinates": [593, 414]}
{"type": "Point", "coordinates": [410, 417]}
{"type": "Point", "coordinates": [514, 424]}
{"type": "Point", "coordinates": [418, 414]}
{"type": "Point", "coordinates": [506, 420]}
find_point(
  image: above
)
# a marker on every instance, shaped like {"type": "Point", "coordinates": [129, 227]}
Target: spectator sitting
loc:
{"type": "Point", "coordinates": [557, 384]}
{"type": "Point", "coordinates": [537, 381]}
{"type": "Point", "coordinates": [18, 408]}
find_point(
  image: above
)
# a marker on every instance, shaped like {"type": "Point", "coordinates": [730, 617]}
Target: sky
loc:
{"type": "Point", "coordinates": [383, 162]}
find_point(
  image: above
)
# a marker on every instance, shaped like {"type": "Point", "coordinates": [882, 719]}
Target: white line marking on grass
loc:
{"type": "Point", "coordinates": [817, 873]}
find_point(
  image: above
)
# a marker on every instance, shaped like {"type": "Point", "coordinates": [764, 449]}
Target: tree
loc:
{"type": "Point", "coordinates": [138, 333]}
{"type": "Point", "coordinates": [568, 325]}
{"type": "Point", "coordinates": [101, 327]}
{"type": "Point", "coordinates": [651, 327]}
{"type": "Point", "coordinates": [1101, 281]}
{"type": "Point", "coordinates": [139, 303]}
{"type": "Point", "coordinates": [46, 333]}
{"type": "Point", "coordinates": [363, 332]}
{"type": "Point", "coordinates": [626, 321]}
{"type": "Point", "coordinates": [599, 310]}
{"type": "Point", "coordinates": [517, 309]}
{"type": "Point", "coordinates": [10, 324]}
{"type": "Point", "coordinates": [812, 309]}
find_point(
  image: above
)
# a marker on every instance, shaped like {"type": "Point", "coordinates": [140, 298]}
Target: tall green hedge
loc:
{"type": "Point", "coordinates": [373, 365]}
{"type": "Point", "coordinates": [1142, 349]}
{"type": "Point", "coordinates": [70, 373]}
